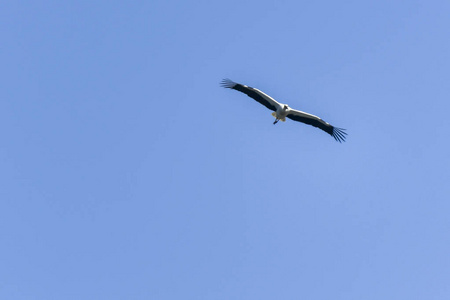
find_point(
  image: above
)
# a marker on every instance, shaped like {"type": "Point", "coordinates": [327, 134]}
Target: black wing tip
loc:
{"type": "Point", "coordinates": [339, 134]}
{"type": "Point", "coordinates": [227, 83]}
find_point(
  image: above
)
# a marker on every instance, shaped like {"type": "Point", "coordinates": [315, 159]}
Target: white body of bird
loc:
{"type": "Point", "coordinates": [281, 112]}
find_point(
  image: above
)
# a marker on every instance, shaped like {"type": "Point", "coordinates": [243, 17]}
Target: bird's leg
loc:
{"type": "Point", "coordinates": [276, 121]}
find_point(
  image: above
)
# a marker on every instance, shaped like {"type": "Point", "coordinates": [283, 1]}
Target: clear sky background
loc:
{"type": "Point", "coordinates": [127, 172]}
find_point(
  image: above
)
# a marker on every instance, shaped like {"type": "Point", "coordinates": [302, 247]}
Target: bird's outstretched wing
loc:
{"type": "Point", "coordinates": [256, 94]}
{"type": "Point", "coordinates": [300, 116]}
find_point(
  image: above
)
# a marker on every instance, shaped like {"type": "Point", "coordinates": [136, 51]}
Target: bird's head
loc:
{"type": "Point", "coordinates": [285, 107]}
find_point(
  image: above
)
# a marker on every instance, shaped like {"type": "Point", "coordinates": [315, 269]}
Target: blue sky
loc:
{"type": "Point", "coordinates": [128, 173]}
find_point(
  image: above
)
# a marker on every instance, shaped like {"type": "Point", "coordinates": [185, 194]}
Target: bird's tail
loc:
{"type": "Point", "coordinates": [274, 114]}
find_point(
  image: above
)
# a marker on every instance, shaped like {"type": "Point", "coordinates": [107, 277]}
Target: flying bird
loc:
{"type": "Point", "coordinates": [281, 111]}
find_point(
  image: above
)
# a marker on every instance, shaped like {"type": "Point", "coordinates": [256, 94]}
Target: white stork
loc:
{"type": "Point", "coordinates": [281, 111]}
